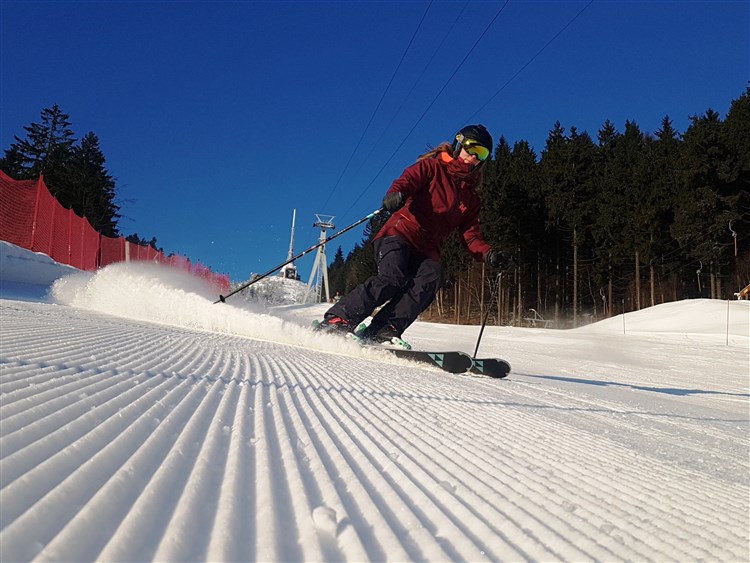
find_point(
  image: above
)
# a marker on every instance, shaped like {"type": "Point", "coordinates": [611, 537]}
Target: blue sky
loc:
{"type": "Point", "coordinates": [219, 118]}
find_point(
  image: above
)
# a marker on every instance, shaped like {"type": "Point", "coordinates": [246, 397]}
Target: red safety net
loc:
{"type": "Point", "coordinates": [30, 217]}
{"type": "Point", "coordinates": [16, 198]}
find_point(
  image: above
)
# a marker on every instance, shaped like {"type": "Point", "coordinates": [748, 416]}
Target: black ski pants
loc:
{"type": "Point", "coordinates": [406, 281]}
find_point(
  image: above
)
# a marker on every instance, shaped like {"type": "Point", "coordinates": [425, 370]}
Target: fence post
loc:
{"type": "Point", "coordinates": [84, 256]}
{"type": "Point", "coordinates": [728, 305]}
{"type": "Point", "coordinates": [52, 228]}
{"type": "Point", "coordinates": [35, 217]}
{"type": "Point", "coordinates": [70, 238]}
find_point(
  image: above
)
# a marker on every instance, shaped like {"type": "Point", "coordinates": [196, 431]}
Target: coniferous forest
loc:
{"type": "Point", "coordinates": [600, 225]}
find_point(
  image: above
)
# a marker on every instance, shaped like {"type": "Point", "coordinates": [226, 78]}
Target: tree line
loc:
{"type": "Point", "coordinates": [74, 171]}
{"type": "Point", "coordinates": [600, 226]}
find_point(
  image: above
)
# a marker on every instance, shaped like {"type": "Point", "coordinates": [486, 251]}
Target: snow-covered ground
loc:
{"type": "Point", "coordinates": [139, 421]}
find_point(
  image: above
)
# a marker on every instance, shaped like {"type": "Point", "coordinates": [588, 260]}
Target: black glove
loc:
{"type": "Point", "coordinates": [498, 259]}
{"type": "Point", "coordinates": [393, 201]}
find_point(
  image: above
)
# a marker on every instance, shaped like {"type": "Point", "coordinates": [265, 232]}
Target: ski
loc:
{"type": "Point", "coordinates": [450, 361]}
{"type": "Point", "coordinates": [491, 367]}
{"type": "Point", "coordinates": [455, 362]}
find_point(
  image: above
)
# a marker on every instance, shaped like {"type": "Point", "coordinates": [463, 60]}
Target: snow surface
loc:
{"type": "Point", "coordinates": [139, 421]}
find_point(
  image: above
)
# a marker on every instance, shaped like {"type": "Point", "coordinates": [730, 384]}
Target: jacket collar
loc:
{"type": "Point", "coordinates": [459, 169]}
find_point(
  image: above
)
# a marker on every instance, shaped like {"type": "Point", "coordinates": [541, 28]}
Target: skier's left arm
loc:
{"type": "Point", "coordinates": [471, 234]}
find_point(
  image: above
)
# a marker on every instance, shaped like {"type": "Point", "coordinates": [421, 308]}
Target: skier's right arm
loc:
{"type": "Point", "coordinates": [414, 178]}
{"type": "Point", "coordinates": [394, 200]}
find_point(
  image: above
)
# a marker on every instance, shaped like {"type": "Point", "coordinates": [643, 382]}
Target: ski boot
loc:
{"type": "Point", "coordinates": [337, 326]}
{"type": "Point", "coordinates": [385, 336]}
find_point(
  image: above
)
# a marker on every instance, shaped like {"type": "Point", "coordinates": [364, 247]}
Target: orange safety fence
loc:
{"type": "Point", "coordinates": [30, 217]}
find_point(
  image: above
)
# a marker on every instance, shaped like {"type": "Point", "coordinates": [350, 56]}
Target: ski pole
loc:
{"type": "Point", "coordinates": [223, 298]}
{"type": "Point", "coordinates": [487, 313]}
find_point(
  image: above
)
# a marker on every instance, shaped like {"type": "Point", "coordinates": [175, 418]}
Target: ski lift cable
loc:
{"type": "Point", "coordinates": [531, 60]}
{"type": "Point", "coordinates": [414, 85]}
{"type": "Point", "coordinates": [429, 106]}
{"type": "Point", "coordinates": [377, 107]}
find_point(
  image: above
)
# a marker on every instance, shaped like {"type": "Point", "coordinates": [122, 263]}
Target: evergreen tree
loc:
{"type": "Point", "coordinates": [609, 222]}
{"type": "Point", "coordinates": [453, 258]}
{"type": "Point", "coordinates": [736, 137]}
{"type": "Point", "coordinates": [91, 187]}
{"type": "Point", "coordinates": [495, 196]}
{"type": "Point", "coordinates": [567, 181]}
{"type": "Point", "coordinates": [701, 207]}
{"type": "Point", "coordinates": [373, 227]}
{"type": "Point", "coordinates": [513, 213]}
{"type": "Point", "coordinates": [634, 185]}
{"type": "Point", "coordinates": [45, 150]}
{"type": "Point", "coordinates": [337, 273]}
{"type": "Point", "coordinates": [74, 174]}
{"type": "Point", "coordinates": [531, 240]}
{"type": "Point", "coordinates": [135, 239]}
{"type": "Point", "coordinates": [607, 138]}
{"type": "Point", "coordinates": [664, 153]}
{"type": "Point", "coordinates": [360, 265]}
{"type": "Point", "coordinates": [13, 163]}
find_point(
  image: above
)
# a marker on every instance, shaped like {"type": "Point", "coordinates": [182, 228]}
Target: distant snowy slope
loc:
{"type": "Point", "coordinates": [27, 275]}
{"type": "Point", "coordinates": [22, 266]}
{"type": "Point", "coordinates": [695, 316]}
{"type": "Point", "coordinates": [274, 290]}
{"type": "Point", "coordinates": [139, 421]}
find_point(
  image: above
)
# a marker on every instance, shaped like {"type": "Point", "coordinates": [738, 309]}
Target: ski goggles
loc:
{"type": "Point", "coordinates": [474, 148]}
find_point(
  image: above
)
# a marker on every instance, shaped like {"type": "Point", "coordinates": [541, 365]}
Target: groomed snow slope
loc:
{"type": "Point", "coordinates": [141, 422]}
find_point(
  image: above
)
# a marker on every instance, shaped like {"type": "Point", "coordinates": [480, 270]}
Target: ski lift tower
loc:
{"type": "Point", "coordinates": [290, 270]}
{"type": "Point", "coordinates": [320, 267]}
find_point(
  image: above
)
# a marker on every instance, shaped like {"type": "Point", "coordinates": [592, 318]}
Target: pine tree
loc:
{"type": "Point", "coordinates": [567, 181]}
{"type": "Point", "coordinates": [736, 137]}
{"type": "Point", "coordinates": [337, 273]}
{"type": "Point", "coordinates": [513, 213]}
{"type": "Point", "coordinates": [135, 239]}
{"type": "Point", "coordinates": [74, 174]}
{"type": "Point", "coordinates": [608, 221]}
{"type": "Point", "coordinates": [494, 193]}
{"type": "Point", "coordinates": [45, 150]}
{"type": "Point", "coordinates": [91, 186]}
{"type": "Point", "coordinates": [704, 205]}
{"type": "Point", "coordinates": [360, 265]}
{"type": "Point", "coordinates": [664, 154]}
{"type": "Point", "coordinates": [699, 200]}
{"type": "Point", "coordinates": [13, 163]}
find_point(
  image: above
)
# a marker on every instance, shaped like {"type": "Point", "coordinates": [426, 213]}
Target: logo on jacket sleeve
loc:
{"type": "Point", "coordinates": [462, 207]}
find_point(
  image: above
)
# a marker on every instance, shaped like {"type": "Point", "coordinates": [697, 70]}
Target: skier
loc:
{"type": "Point", "coordinates": [430, 199]}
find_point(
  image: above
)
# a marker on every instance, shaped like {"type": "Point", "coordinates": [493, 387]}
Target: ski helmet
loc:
{"type": "Point", "coordinates": [477, 133]}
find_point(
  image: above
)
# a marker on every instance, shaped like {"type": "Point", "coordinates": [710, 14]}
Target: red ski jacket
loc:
{"type": "Point", "coordinates": [440, 197]}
